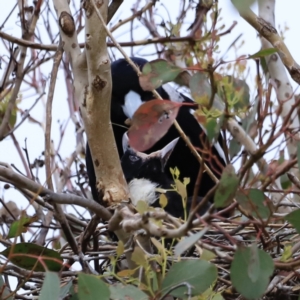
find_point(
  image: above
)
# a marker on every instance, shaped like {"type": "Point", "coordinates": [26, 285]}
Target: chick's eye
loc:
{"type": "Point", "coordinates": [133, 158]}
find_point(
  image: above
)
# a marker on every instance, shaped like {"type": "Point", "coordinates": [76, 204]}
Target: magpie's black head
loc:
{"type": "Point", "coordinates": [131, 164]}
{"type": "Point", "coordinates": [136, 166]}
{"type": "Point", "coordinates": [151, 166]}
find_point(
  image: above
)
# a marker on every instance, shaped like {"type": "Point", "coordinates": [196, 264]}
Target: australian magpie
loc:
{"type": "Point", "coordinates": [127, 95]}
{"type": "Point", "coordinates": [147, 178]}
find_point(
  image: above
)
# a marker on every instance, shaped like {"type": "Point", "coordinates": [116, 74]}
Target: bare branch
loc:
{"type": "Point", "coordinates": [114, 6]}
{"type": "Point", "coordinates": [27, 34]}
{"type": "Point", "coordinates": [269, 32]}
{"type": "Point", "coordinates": [25, 183]}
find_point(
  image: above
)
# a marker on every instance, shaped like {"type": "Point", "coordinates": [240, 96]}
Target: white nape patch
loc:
{"type": "Point", "coordinates": [173, 94]}
{"type": "Point", "coordinates": [142, 189]}
{"type": "Point", "coordinates": [217, 144]}
{"type": "Point", "coordinates": [132, 102]}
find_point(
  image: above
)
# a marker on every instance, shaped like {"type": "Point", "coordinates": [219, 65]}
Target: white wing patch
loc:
{"type": "Point", "coordinates": [142, 189]}
{"type": "Point", "coordinates": [132, 102]}
{"type": "Point", "coordinates": [173, 94]}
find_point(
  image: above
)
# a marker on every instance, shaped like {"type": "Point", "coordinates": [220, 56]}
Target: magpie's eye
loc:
{"type": "Point", "coordinates": [133, 158]}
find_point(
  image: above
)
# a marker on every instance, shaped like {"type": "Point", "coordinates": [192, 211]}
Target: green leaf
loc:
{"type": "Point", "coordinates": [199, 274]}
{"type": "Point", "coordinates": [156, 73]}
{"type": "Point", "coordinates": [188, 242]}
{"type": "Point", "coordinates": [217, 297]}
{"type": "Point", "coordinates": [263, 53]}
{"type": "Point", "coordinates": [210, 294]}
{"type": "Point", "coordinates": [255, 202]}
{"type": "Point", "coordinates": [264, 66]}
{"type": "Point", "coordinates": [294, 219]}
{"type": "Point", "coordinates": [158, 245]}
{"type": "Point", "coordinates": [285, 181]}
{"type": "Point", "coordinates": [287, 253]}
{"type": "Point", "coordinates": [19, 254]}
{"type": "Point", "coordinates": [207, 255]}
{"type": "Point", "coordinates": [3, 107]}
{"type": "Point", "coordinates": [254, 266]}
{"type": "Point", "coordinates": [139, 257]}
{"type": "Point", "coordinates": [142, 206]}
{"type": "Point", "coordinates": [90, 288]}
{"type": "Point", "coordinates": [51, 287]}
{"type": "Point", "coordinates": [126, 292]}
{"type": "Point", "coordinates": [251, 281]}
{"type": "Point", "coordinates": [227, 187]}
{"type": "Point", "coordinates": [4, 290]}
{"type": "Point", "coordinates": [186, 181]}
{"type": "Point", "coordinates": [234, 148]}
{"type": "Point", "coordinates": [65, 289]}
{"type": "Point", "coordinates": [163, 200]}
{"type": "Point", "coordinates": [211, 128]}
{"type": "Point", "coordinates": [176, 173]}
{"type": "Point", "coordinates": [249, 121]}
{"type": "Point", "coordinates": [155, 276]}
{"type": "Point", "coordinates": [120, 248]}
{"type": "Point", "coordinates": [181, 188]}
{"type": "Point", "coordinates": [74, 295]}
{"type": "Point", "coordinates": [237, 92]}
{"type": "Point", "coordinates": [213, 125]}
{"type": "Point", "coordinates": [20, 226]}
{"type": "Point", "coordinates": [200, 89]}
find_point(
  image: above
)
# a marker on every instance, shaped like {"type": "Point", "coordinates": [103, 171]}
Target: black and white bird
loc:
{"type": "Point", "coordinates": [146, 172]}
{"type": "Point", "coordinates": [127, 96]}
{"type": "Point", "coordinates": [147, 178]}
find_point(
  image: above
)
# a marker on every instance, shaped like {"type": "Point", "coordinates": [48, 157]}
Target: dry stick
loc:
{"type": "Point", "coordinates": [114, 6]}
{"type": "Point", "coordinates": [279, 172]}
{"type": "Point", "coordinates": [257, 154]}
{"type": "Point", "coordinates": [60, 198]}
{"type": "Point", "coordinates": [29, 195]}
{"type": "Point", "coordinates": [133, 16]}
{"type": "Point", "coordinates": [46, 222]}
{"type": "Point", "coordinates": [199, 206]}
{"type": "Point", "coordinates": [177, 126]}
{"type": "Point", "coordinates": [130, 222]}
{"type": "Point", "coordinates": [10, 67]}
{"type": "Point", "coordinates": [8, 16]}
{"type": "Point", "coordinates": [17, 145]}
{"type": "Point", "coordinates": [266, 30]}
{"type": "Point", "coordinates": [197, 185]}
{"type": "Point", "coordinates": [19, 74]}
{"type": "Point", "coordinates": [53, 47]}
{"type": "Point", "coordinates": [88, 232]}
